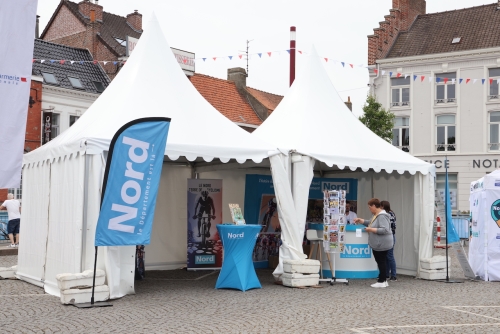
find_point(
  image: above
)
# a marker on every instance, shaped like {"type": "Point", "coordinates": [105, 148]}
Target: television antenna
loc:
{"type": "Point", "coordinates": [246, 53]}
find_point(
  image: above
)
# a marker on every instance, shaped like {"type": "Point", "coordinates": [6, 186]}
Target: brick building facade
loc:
{"type": "Point", "coordinates": [86, 25]}
{"type": "Point", "coordinates": [400, 18]}
{"type": "Point", "coordinates": [439, 74]}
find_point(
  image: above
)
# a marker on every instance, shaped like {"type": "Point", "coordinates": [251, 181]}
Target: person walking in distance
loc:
{"type": "Point", "coordinates": [379, 238]}
{"type": "Point", "coordinates": [391, 262]}
{"type": "Point", "coordinates": [13, 207]}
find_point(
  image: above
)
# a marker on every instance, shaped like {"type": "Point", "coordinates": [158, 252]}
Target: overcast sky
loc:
{"type": "Point", "coordinates": [216, 28]}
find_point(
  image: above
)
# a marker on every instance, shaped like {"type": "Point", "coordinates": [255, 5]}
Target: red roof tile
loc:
{"type": "Point", "coordinates": [270, 101]}
{"type": "Point", "coordinates": [224, 97]}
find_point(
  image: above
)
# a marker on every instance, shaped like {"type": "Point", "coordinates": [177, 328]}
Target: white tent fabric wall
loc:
{"type": "Point", "coordinates": [64, 237]}
{"type": "Point", "coordinates": [150, 84]}
{"type": "Point", "coordinates": [291, 239]}
{"type": "Point", "coordinates": [405, 193]}
{"type": "Point", "coordinates": [233, 185]}
{"type": "Point", "coordinates": [120, 270]}
{"type": "Point", "coordinates": [303, 123]}
{"type": "Point", "coordinates": [484, 248]}
{"type": "Point", "coordinates": [117, 262]}
{"type": "Point", "coordinates": [92, 202]}
{"type": "Point", "coordinates": [409, 196]}
{"type": "Point", "coordinates": [34, 229]}
{"type": "Point", "coordinates": [424, 214]}
{"type": "Point", "coordinates": [169, 237]}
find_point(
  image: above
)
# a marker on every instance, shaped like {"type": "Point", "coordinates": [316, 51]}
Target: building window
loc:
{"type": "Point", "coordinates": [55, 125]}
{"type": "Point", "coordinates": [445, 134]}
{"type": "Point", "coordinates": [17, 192]}
{"type": "Point", "coordinates": [494, 144]}
{"type": "Point", "coordinates": [400, 88]}
{"type": "Point", "coordinates": [49, 78]}
{"type": "Point", "coordinates": [494, 74]}
{"type": "Point", "coordinates": [99, 86]}
{"type": "Point", "coordinates": [453, 186]}
{"type": "Point", "coordinates": [75, 82]}
{"type": "Point", "coordinates": [445, 88]}
{"type": "Point", "coordinates": [121, 41]}
{"type": "Point", "coordinates": [73, 119]}
{"type": "Point", "coordinates": [401, 133]}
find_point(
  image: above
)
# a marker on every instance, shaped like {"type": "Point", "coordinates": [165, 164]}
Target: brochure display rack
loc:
{"type": "Point", "coordinates": [334, 229]}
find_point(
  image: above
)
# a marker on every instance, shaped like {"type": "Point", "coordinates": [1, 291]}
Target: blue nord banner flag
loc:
{"type": "Point", "coordinates": [131, 183]}
{"type": "Point", "coordinates": [17, 32]}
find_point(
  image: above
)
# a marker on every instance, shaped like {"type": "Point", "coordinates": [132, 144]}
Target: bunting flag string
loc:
{"type": "Point", "coordinates": [329, 60]}
{"type": "Point", "coordinates": [81, 62]}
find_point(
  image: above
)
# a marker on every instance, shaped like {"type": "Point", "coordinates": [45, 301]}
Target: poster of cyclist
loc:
{"type": "Point", "coordinates": [268, 215]}
{"type": "Point", "coordinates": [204, 206]}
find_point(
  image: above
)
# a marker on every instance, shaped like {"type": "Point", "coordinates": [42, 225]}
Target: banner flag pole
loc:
{"type": "Point", "coordinates": [449, 222]}
{"type": "Point", "coordinates": [132, 175]}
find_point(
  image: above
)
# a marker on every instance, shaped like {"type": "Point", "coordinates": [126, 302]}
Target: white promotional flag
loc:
{"type": "Point", "coordinates": [17, 34]}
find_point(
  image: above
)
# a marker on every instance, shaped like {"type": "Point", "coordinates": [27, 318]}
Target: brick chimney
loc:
{"type": "Point", "coordinates": [135, 20]}
{"type": "Point", "coordinates": [400, 18]}
{"type": "Point", "coordinates": [349, 103]}
{"type": "Point", "coordinates": [238, 75]}
{"type": "Point", "coordinates": [86, 6]}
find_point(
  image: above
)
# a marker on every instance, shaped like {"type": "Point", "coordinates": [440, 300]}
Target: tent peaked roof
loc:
{"type": "Point", "coordinates": [152, 84]}
{"type": "Point", "coordinates": [313, 120]}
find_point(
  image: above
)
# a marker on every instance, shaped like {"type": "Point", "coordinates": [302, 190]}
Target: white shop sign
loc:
{"type": "Point", "coordinates": [184, 58]}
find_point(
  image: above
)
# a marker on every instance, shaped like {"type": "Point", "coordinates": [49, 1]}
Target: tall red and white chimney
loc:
{"type": "Point", "coordinates": [293, 36]}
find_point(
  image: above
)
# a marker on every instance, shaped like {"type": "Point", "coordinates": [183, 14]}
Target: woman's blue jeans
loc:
{"type": "Point", "coordinates": [391, 262]}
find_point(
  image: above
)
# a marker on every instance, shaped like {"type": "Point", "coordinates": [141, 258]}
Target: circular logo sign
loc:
{"type": "Point", "coordinates": [495, 211]}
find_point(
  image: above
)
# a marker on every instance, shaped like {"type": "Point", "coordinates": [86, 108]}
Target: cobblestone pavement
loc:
{"type": "Point", "coordinates": [186, 302]}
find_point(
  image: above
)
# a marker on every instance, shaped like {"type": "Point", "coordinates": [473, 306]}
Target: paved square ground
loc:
{"type": "Point", "coordinates": [186, 302]}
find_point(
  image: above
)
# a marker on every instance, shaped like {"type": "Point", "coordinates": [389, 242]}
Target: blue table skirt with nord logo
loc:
{"type": "Point", "coordinates": [357, 260]}
{"type": "Point", "coordinates": [237, 270]}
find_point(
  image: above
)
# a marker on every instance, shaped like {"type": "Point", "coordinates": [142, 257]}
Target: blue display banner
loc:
{"type": "Point", "coordinates": [259, 192]}
{"type": "Point", "coordinates": [131, 183]}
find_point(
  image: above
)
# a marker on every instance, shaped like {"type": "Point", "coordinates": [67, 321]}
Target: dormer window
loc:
{"type": "Point", "coordinates": [121, 41]}
{"type": "Point", "coordinates": [75, 82]}
{"type": "Point", "coordinates": [456, 40]}
{"type": "Point", "coordinates": [49, 78]}
{"type": "Point", "coordinates": [99, 86]}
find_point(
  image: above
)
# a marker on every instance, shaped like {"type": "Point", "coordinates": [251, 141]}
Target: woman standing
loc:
{"type": "Point", "coordinates": [391, 262]}
{"type": "Point", "coordinates": [379, 238]}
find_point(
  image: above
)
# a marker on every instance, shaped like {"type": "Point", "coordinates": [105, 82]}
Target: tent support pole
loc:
{"type": "Point", "coordinates": [194, 175]}
{"type": "Point", "coordinates": [85, 207]}
{"type": "Point", "coordinates": [373, 185]}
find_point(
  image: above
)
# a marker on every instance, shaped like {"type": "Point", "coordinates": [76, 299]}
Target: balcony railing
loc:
{"type": "Point", "coordinates": [400, 104]}
{"type": "Point", "coordinates": [446, 147]}
{"type": "Point", "coordinates": [405, 148]}
{"type": "Point", "coordinates": [493, 146]}
{"type": "Point", "coordinates": [444, 101]}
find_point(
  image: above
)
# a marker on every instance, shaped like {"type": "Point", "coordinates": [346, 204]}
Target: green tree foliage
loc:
{"type": "Point", "coordinates": [377, 119]}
